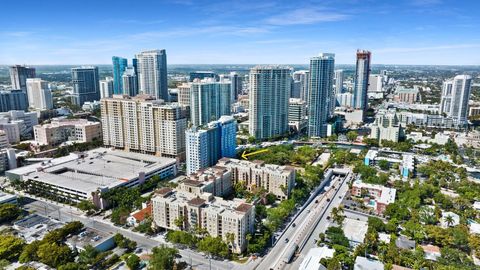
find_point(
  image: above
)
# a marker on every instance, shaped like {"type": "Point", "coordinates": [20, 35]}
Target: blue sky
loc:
{"type": "Point", "coordinates": [242, 32]}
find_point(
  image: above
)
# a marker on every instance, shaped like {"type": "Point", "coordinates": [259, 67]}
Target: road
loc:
{"type": "Point", "coordinates": [305, 222]}
{"type": "Point", "coordinates": [322, 224]}
{"type": "Point", "coordinates": [67, 214]}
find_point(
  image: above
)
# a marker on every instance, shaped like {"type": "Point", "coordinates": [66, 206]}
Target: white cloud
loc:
{"type": "Point", "coordinates": [306, 16]}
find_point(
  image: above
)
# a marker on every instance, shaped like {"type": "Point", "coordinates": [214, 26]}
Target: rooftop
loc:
{"type": "Point", "coordinates": [362, 263]}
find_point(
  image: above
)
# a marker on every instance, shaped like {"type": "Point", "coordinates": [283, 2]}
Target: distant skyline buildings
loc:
{"type": "Point", "coordinates": [129, 82]}
{"type": "Point", "coordinates": [321, 99]}
{"type": "Point", "coordinates": [360, 83]}
{"type": "Point", "coordinates": [106, 87]}
{"type": "Point", "coordinates": [86, 84]}
{"type": "Point", "coordinates": [152, 73]}
{"type": "Point", "coordinates": [39, 95]}
{"type": "Point", "coordinates": [455, 97]}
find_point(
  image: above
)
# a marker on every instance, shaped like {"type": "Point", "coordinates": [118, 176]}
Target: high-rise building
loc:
{"type": "Point", "coordinates": [339, 77]}
{"type": "Point", "coordinates": [152, 73]}
{"type": "Point", "coordinates": [268, 101]}
{"type": "Point", "coordinates": [13, 100]}
{"type": "Point", "coordinates": [296, 89]}
{"type": "Point", "coordinates": [143, 124]}
{"type": "Point", "coordinates": [375, 83]}
{"type": "Point", "coordinates": [455, 97]}
{"type": "Point", "coordinates": [106, 87]}
{"type": "Point", "coordinates": [19, 75]}
{"type": "Point", "coordinates": [360, 87]}
{"type": "Point", "coordinates": [39, 95]}
{"type": "Point", "coordinates": [297, 114]}
{"type": "Point", "coordinates": [321, 100]}
{"type": "Point", "coordinates": [184, 94]}
{"type": "Point", "coordinates": [208, 101]}
{"type": "Point", "coordinates": [236, 87]}
{"type": "Point", "coordinates": [303, 76]}
{"type": "Point", "coordinates": [119, 66]}
{"type": "Point", "coordinates": [129, 82]}
{"type": "Point", "coordinates": [86, 86]}
{"type": "Point", "coordinates": [206, 145]}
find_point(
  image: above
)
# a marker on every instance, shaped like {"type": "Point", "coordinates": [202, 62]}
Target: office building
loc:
{"type": "Point", "coordinates": [61, 130]}
{"type": "Point", "coordinates": [129, 82]}
{"type": "Point", "coordinates": [152, 73]}
{"type": "Point", "coordinates": [86, 86]}
{"type": "Point", "coordinates": [39, 95]}
{"type": "Point", "coordinates": [206, 145]}
{"type": "Point", "coordinates": [345, 100]}
{"type": "Point", "coordinates": [218, 217]}
{"type": "Point", "coordinates": [303, 77]}
{"type": "Point", "coordinates": [455, 97]}
{"type": "Point", "coordinates": [143, 124]}
{"type": "Point", "coordinates": [200, 75]}
{"type": "Point", "coordinates": [13, 100]}
{"type": "Point", "coordinates": [362, 74]}
{"type": "Point", "coordinates": [119, 66]}
{"type": "Point", "coordinates": [87, 175]}
{"type": "Point", "coordinates": [297, 114]}
{"type": "Point", "coordinates": [236, 87]}
{"type": "Point", "coordinates": [17, 124]}
{"type": "Point", "coordinates": [19, 75]}
{"type": "Point", "coordinates": [321, 101]}
{"type": "Point", "coordinates": [208, 101]}
{"type": "Point", "coordinates": [268, 101]}
{"type": "Point", "coordinates": [339, 77]}
{"type": "Point", "coordinates": [277, 180]}
{"type": "Point", "coordinates": [106, 87]}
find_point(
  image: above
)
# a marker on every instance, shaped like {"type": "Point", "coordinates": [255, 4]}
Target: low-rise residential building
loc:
{"type": "Point", "coordinates": [449, 219]}
{"type": "Point", "coordinates": [314, 255]}
{"type": "Point", "coordinates": [140, 216]}
{"type": "Point", "coordinates": [275, 179]}
{"type": "Point", "coordinates": [431, 252]}
{"type": "Point", "coordinates": [86, 176]}
{"type": "Point", "coordinates": [362, 263]}
{"type": "Point", "coordinates": [406, 161]}
{"type": "Point", "coordinates": [62, 130]}
{"type": "Point", "coordinates": [216, 180]}
{"type": "Point", "coordinates": [34, 227]}
{"type": "Point", "coordinates": [406, 95]}
{"type": "Point", "coordinates": [181, 210]}
{"type": "Point", "coordinates": [376, 196]}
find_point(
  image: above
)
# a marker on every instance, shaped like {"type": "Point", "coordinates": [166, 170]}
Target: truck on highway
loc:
{"type": "Point", "coordinates": [287, 257]}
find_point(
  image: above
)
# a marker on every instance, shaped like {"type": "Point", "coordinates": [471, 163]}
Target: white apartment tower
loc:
{"type": "Point", "coordinates": [39, 95]}
{"type": "Point", "coordinates": [268, 101]}
{"type": "Point", "coordinates": [106, 87]}
{"type": "Point", "coordinates": [455, 97]}
{"type": "Point", "coordinates": [152, 73]}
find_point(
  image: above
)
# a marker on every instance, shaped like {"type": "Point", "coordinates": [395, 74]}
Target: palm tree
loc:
{"type": "Point", "coordinates": [449, 220]}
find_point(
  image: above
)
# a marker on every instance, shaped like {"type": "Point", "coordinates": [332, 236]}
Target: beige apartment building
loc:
{"type": "Point", "coordinates": [219, 217]}
{"type": "Point", "coordinates": [278, 180]}
{"type": "Point", "coordinates": [62, 130]}
{"type": "Point", "coordinates": [144, 124]}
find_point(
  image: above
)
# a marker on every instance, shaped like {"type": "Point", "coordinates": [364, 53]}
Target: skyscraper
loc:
{"type": "Point", "coordinates": [339, 77]}
{"type": "Point", "coordinates": [268, 101]}
{"type": "Point", "coordinates": [206, 145]}
{"type": "Point", "coordinates": [455, 97]}
{"type": "Point", "coordinates": [360, 87]}
{"type": "Point", "coordinates": [208, 101]}
{"type": "Point", "coordinates": [86, 85]}
{"type": "Point", "coordinates": [321, 93]}
{"type": "Point", "coordinates": [13, 100]}
{"type": "Point", "coordinates": [152, 73]}
{"type": "Point", "coordinates": [19, 75]}
{"type": "Point", "coordinates": [119, 66]}
{"type": "Point", "coordinates": [39, 95]}
{"type": "Point", "coordinates": [129, 83]}
{"type": "Point", "coordinates": [303, 76]}
{"type": "Point", "coordinates": [236, 87]}
{"type": "Point", "coordinates": [106, 87]}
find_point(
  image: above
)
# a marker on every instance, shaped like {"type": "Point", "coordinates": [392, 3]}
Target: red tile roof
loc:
{"type": "Point", "coordinates": [144, 213]}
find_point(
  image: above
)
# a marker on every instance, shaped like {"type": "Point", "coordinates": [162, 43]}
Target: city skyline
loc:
{"type": "Point", "coordinates": [238, 32]}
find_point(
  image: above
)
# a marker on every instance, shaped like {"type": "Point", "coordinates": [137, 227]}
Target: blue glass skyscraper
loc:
{"type": "Point", "coordinates": [119, 66]}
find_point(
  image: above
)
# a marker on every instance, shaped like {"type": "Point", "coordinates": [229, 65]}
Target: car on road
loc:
{"type": "Point", "coordinates": [293, 225]}
{"type": "Point", "coordinates": [328, 217]}
{"type": "Point", "coordinates": [286, 240]}
{"type": "Point", "coordinates": [308, 210]}
{"type": "Point", "coordinates": [316, 201]}
{"type": "Point", "coordinates": [328, 199]}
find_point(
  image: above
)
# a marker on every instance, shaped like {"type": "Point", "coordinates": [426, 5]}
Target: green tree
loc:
{"type": "Point", "coordinates": [9, 212]}
{"type": "Point", "coordinates": [383, 164]}
{"type": "Point", "coordinates": [54, 255]}
{"type": "Point", "coordinates": [29, 252]}
{"type": "Point", "coordinates": [337, 215]}
{"type": "Point", "coordinates": [133, 262]}
{"type": "Point", "coordinates": [352, 135]}
{"type": "Point", "coordinates": [88, 255]}
{"type": "Point", "coordinates": [86, 206]}
{"type": "Point", "coordinates": [10, 247]}
{"type": "Point", "coordinates": [163, 258]}
{"type": "Point", "coordinates": [120, 215]}
{"type": "Point", "coordinates": [214, 246]}
{"type": "Point", "coordinates": [72, 266]}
